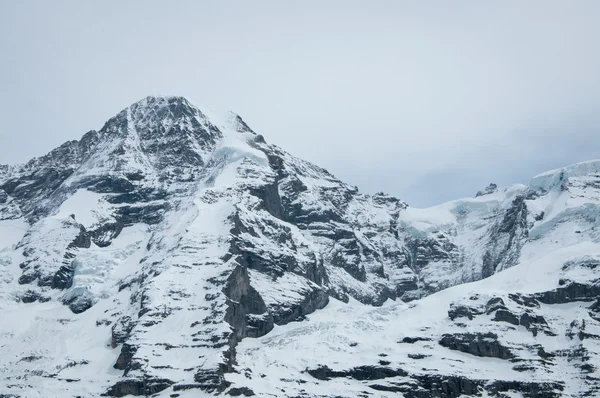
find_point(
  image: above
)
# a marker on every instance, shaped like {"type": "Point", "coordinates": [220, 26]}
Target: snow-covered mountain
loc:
{"type": "Point", "coordinates": [174, 253]}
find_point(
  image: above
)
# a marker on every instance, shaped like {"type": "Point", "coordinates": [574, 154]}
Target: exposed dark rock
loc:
{"type": "Point", "coordinates": [138, 196]}
{"type": "Point", "coordinates": [313, 300]}
{"type": "Point", "coordinates": [524, 368]}
{"type": "Point", "coordinates": [120, 330]}
{"type": "Point", "coordinates": [423, 251]}
{"type": "Point", "coordinates": [111, 184]}
{"type": "Point", "coordinates": [570, 292]}
{"type": "Point", "coordinates": [508, 236]}
{"type": "Point", "coordinates": [184, 387]}
{"type": "Point", "coordinates": [30, 358]}
{"type": "Point", "coordinates": [239, 391]}
{"type": "Point", "coordinates": [82, 240]}
{"type": "Point", "coordinates": [104, 234]}
{"type": "Point", "coordinates": [596, 306]}
{"type": "Point", "coordinates": [506, 316]}
{"type": "Point", "coordinates": [488, 190]}
{"type": "Point", "coordinates": [406, 289]}
{"type": "Point", "coordinates": [478, 344]}
{"type": "Point", "coordinates": [358, 373]}
{"type": "Point", "coordinates": [63, 279]}
{"type": "Point", "coordinates": [543, 354]}
{"type": "Point", "coordinates": [211, 380]}
{"type": "Point", "coordinates": [587, 262]}
{"type": "Point", "coordinates": [577, 328]}
{"type": "Point", "coordinates": [28, 277]}
{"type": "Point", "coordinates": [525, 300]}
{"type": "Point", "coordinates": [412, 340]}
{"type": "Point", "coordinates": [462, 311]}
{"type": "Point", "coordinates": [41, 182]}
{"type": "Point", "coordinates": [270, 199]}
{"type": "Point", "coordinates": [273, 265]}
{"type": "Point", "coordinates": [418, 356]}
{"type": "Point", "coordinates": [31, 296]}
{"type": "Point", "coordinates": [533, 323]}
{"type": "Point", "coordinates": [137, 387]}
{"type": "Point", "coordinates": [125, 357]}
{"type": "Point", "coordinates": [441, 386]}
{"type": "Point", "coordinates": [494, 304]}
{"type": "Point", "coordinates": [244, 302]}
{"type": "Point", "coordinates": [527, 389]}
{"type": "Point", "coordinates": [149, 214]}
{"type": "Point", "coordinates": [540, 216]}
{"type": "Point", "coordinates": [78, 300]}
{"type": "Point", "coordinates": [348, 258]}
{"type": "Point", "coordinates": [51, 274]}
{"type": "Point", "coordinates": [454, 386]}
{"type": "Point", "coordinates": [389, 388]}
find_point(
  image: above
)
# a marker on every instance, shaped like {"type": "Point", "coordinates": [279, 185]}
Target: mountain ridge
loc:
{"type": "Point", "coordinates": [173, 237]}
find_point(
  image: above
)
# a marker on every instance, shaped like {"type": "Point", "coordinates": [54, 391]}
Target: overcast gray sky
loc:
{"type": "Point", "coordinates": [428, 101]}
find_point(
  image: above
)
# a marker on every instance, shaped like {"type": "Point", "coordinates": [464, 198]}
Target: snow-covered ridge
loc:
{"type": "Point", "coordinates": [174, 252]}
{"type": "Point", "coordinates": [576, 169]}
{"type": "Point", "coordinates": [554, 178]}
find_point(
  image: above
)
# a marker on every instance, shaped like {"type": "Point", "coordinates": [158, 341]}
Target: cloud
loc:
{"type": "Point", "coordinates": [425, 101]}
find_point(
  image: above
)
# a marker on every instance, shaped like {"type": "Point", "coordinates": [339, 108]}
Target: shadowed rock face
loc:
{"type": "Point", "coordinates": [569, 292]}
{"type": "Point", "coordinates": [426, 386]}
{"type": "Point", "coordinates": [359, 373]}
{"type": "Point", "coordinates": [509, 235]}
{"type": "Point", "coordinates": [481, 345]}
{"type": "Point", "coordinates": [247, 312]}
{"type": "Point", "coordinates": [168, 216]}
{"type": "Point", "coordinates": [506, 316]}
{"type": "Point", "coordinates": [138, 387]}
{"type": "Point", "coordinates": [497, 319]}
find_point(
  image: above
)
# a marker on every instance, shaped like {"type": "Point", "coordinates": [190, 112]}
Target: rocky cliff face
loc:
{"type": "Point", "coordinates": [142, 258]}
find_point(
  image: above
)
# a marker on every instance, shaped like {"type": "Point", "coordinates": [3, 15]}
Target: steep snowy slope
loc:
{"type": "Point", "coordinates": [529, 331]}
{"type": "Point", "coordinates": [168, 252]}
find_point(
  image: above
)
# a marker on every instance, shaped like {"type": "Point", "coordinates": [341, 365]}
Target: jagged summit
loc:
{"type": "Point", "coordinates": [153, 111]}
{"type": "Point", "coordinates": [155, 142]}
{"type": "Point", "coordinates": [158, 116]}
{"type": "Point", "coordinates": [167, 103]}
{"type": "Point", "coordinates": [159, 101]}
{"type": "Point", "coordinates": [167, 112]}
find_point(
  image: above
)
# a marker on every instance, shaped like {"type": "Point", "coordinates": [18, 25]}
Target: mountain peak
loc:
{"type": "Point", "coordinates": [152, 112]}
{"type": "Point", "coordinates": [176, 234]}
{"type": "Point", "coordinates": [162, 101]}
{"type": "Point", "coordinates": [161, 109]}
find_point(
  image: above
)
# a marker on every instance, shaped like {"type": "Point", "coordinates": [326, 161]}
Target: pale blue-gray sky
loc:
{"type": "Point", "coordinates": [428, 101]}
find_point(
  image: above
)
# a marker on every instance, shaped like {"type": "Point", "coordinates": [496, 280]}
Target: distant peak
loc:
{"type": "Point", "coordinates": [490, 189]}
